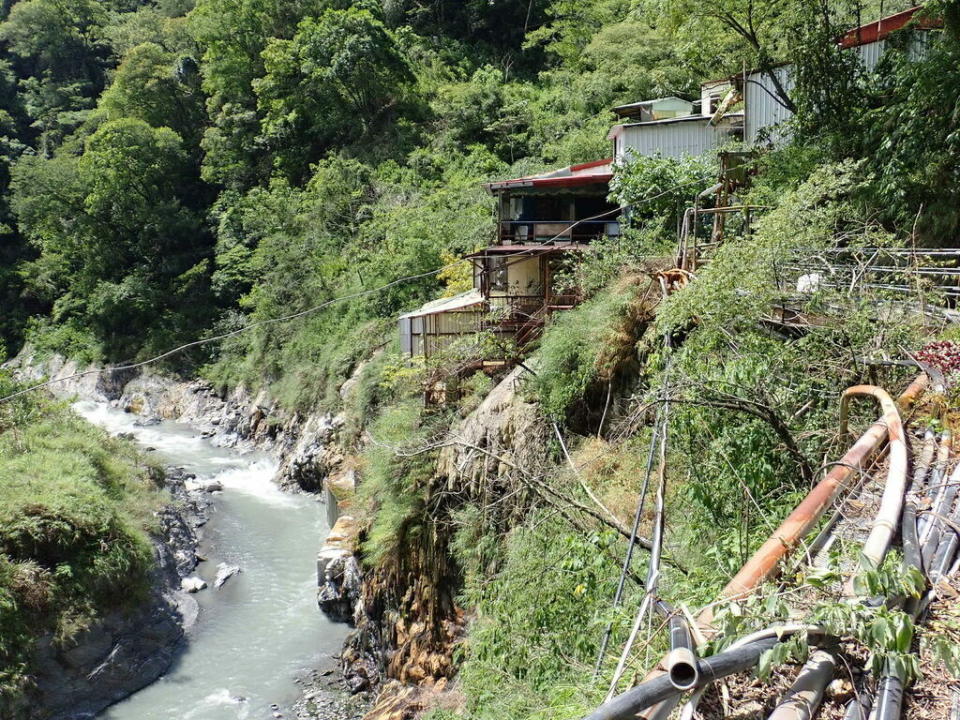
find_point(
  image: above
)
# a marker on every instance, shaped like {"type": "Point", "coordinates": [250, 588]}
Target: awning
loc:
{"type": "Point", "coordinates": [457, 302]}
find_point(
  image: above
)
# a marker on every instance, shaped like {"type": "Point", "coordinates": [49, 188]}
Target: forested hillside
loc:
{"type": "Point", "coordinates": [170, 171]}
{"type": "Point", "coordinates": [174, 171]}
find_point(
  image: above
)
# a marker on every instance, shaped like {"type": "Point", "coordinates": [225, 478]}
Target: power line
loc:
{"type": "Point", "coordinates": [350, 296]}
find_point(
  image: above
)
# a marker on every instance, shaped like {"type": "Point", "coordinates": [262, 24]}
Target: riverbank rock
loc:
{"type": "Point", "coordinates": [312, 455]}
{"type": "Point", "coordinates": [193, 584]}
{"type": "Point", "coordinates": [224, 573]}
{"type": "Point", "coordinates": [323, 697]}
{"type": "Point", "coordinates": [338, 573]}
{"type": "Point", "coordinates": [397, 701]}
{"type": "Point", "coordinates": [125, 649]}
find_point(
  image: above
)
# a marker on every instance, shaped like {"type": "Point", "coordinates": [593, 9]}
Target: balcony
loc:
{"type": "Point", "coordinates": [539, 232]}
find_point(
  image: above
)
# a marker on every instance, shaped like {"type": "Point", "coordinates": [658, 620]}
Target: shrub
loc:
{"type": "Point", "coordinates": [588, 344]}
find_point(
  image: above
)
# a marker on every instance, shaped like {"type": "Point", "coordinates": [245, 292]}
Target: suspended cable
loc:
{"type": "Point", "coordinates": [343, 298]}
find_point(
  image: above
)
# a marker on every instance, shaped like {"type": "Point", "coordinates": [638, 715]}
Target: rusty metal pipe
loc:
{"type": "Point", "coordinates": [798, 524]}
{"type": "Point", "coordinates": [891, 503]}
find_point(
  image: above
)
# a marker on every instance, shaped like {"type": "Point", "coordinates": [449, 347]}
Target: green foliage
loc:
{"type": "Point", "coordinates": [62, 54]}
{"type": "Point", "coordinates": [284, 250]}
{"type": "Point", "coordinates": [344, 145]}
{"type": "Point", "coordinates": [159, 88]}
{"type": "Point", "coordinates": [332, 83]}
{"type": "Point", "coordinates": [75, 508]}
{"type": "Point", "coordinates": [915, 136]}
{"type": "Point", "coordinates": [656, 190]}
{"type": "Point", "coordinates": [539, 622]}
{"type": "Point", "coordinates": [584, 345]}
{"type": "Point", "coordinates": [887, 633]}
{"type": "Point", "coordinates": [121, 253]}
{"type": "Point", "coordinates": [396, 470]}
{"type": "Point", "coordinates": [752, 407]}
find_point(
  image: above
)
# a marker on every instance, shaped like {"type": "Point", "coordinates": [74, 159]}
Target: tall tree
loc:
{"type": "Point", "coordinates": [121, 253]}
{"type": "Point", "coordinates": [340, 76]}
{"type": "Point", "coordinates": [234, 34]}
{"type": "Point", "coordinates": [159, 88]}
{"type": "Point", "coordinates": [60, 54]}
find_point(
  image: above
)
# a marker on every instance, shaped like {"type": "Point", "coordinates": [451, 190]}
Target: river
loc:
{"type": "Point", "coordinates": [262, 629]}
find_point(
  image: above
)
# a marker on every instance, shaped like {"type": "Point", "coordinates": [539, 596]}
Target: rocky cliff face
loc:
{"type": "Point", "coordinates": [126, 649]}
{"type": "Point", "coordinates": [304, 444]}
{"type": "Point", "coordinates": [407, 619]}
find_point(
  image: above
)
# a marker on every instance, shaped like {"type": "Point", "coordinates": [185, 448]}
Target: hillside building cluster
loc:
{"type": "Point", "coordinates": [544, 221]}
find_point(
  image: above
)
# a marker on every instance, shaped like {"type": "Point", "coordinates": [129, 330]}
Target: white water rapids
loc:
{"type": "Point", "coordinates": [262, 628]}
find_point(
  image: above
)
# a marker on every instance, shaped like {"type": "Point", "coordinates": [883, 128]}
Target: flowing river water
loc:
{"type": "Point", "coordinates": [262, 629]}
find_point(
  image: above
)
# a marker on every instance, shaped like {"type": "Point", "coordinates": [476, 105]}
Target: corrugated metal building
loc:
{"type": "Point", "coordinates": [676, 137]}
{"type": "Point", "coordinates": [764, 113]}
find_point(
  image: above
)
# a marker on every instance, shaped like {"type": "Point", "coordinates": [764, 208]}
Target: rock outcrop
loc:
{"type": "Point", "coordinates": [305, 444]}
{"type": "Point", "coordinates": [127, 649]}
{"type": "Point", "coordinates": [407, 620]}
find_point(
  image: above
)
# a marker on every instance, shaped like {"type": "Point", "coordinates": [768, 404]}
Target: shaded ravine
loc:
{"type": "Point", "coordinates": [262, 629]}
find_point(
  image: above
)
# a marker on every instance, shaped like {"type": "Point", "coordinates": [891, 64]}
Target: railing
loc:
{"type": "Point", "coordinates": [927, 280]}
{"type": "Point", "coordinates": [526, 231]}
{"type": "Point", "coordinates": [564, 300]}
{"type": "Point", "coordinates": [513, 309]}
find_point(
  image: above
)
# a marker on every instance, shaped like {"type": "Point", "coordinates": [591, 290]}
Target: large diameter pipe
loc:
{"type": "Point", "coordinates": [941, 508]}
{"type": "Point", "coordinates": [889, 703]}
{"type": "Point", "coordinates": [798, 524]}
{"type": "Point", "coordinates": [944, 556]}
{"type": "Point", "coordinates": [936, 482]}
{"type": "Point", "coordinates": [924, 460]}
{"type": "Point", "coordinates": [628, 704]}
{"type": "Point", "coordinates": [891, 503]}
{"type": "Point", "coordinates": [912, 556]}
{"type": "Point", "coordinates": [859, 708]}
{"type": "Point", "coordinates": [805, 695]}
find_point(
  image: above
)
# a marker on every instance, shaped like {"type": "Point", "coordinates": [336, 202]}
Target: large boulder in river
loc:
{"type": "Point", "coordinates": [192, 584]}
{"type": "Point", "coordinates": [224, 573]}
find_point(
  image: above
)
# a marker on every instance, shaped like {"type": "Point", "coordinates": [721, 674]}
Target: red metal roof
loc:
{"type": "Point", "coordinates": [598, 171]}
{"type": "Point", "coordinates": [879, 29]}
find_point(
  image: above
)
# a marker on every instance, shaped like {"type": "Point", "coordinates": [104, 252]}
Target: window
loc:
{"type": "Point", "coordinates": [497, 273]}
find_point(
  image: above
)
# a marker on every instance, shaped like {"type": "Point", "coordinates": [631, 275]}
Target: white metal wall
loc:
{"type": "Point", "coordinates": [763, 114]}
{"type": "Point", "coordinates": [691, 137]}
{"type": "Point", "coordinates": [870, 53]}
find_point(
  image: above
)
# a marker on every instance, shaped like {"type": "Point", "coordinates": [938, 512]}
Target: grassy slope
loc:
{"type": "Point", "coordinates": [75, 510]}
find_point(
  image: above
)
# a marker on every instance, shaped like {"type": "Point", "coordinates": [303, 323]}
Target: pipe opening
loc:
{"type": "Point", "coordinates": [682, 668]}
{"type": "Point", "coordinates": [683, 676]}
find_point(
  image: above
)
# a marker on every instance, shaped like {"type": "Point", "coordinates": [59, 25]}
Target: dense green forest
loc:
{"type": "Point", "coordinates": [170, 171]}
{"type": "Point", "coordinates": [176, 170]}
